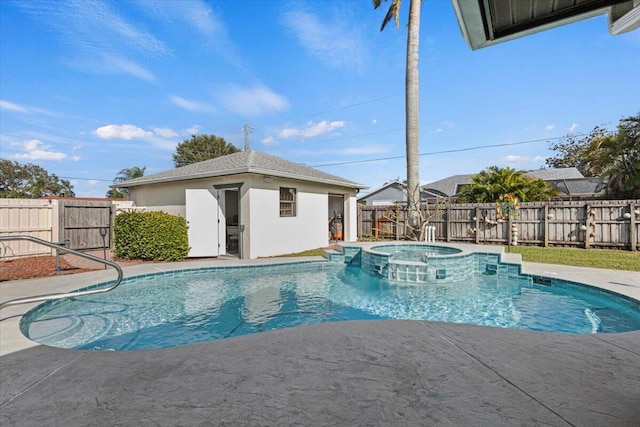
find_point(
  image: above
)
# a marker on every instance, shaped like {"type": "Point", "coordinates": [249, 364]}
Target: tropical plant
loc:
{"type": "Point", "coordinates": [200, 148]}
{"type": "Point", "coordinates": [412, 101]}
{"type": "Point", "coordinates": [125, 175]}
{"type": "Point", "coordinates": [30, 181]}
{"type": "Point", "coordinates": [491, 184]}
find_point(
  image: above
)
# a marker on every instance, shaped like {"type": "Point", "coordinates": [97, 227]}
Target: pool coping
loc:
{"type": "Point", "coordinates": [626, 283]}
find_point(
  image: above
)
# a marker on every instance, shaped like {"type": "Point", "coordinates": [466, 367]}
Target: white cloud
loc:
{"type": "Point", "coordinates": [193, 130]}
{"type": "Point", "coordinates": [512, 158]}
{"type": "Point", "coordinates": [6, 105]}
{"type": "Point", "coordinates": [165, 132]}
{"type": "Point", "coordinates": [311, 129]}
{"type": "Point", "coordinates": [75, 158]}
{"type": "Point", "coordinates": [92, 182]}
{"type": "Point", "coordinates": [211, 32]}
{"type": "Point", "coordinates": [269, 141]}
{"type": "Point", "coordinates": [253, 101]}
{"type": "Point", "coordinates": [120, 65]}
{"type": "Point", "coordinates": [573, 127]}
{"type": "Point", "coordinates": [192, 106]}
{"type": "Point", "coordinates": [374, 121]}
{"type": "Point", "coordinates": [97, 37]}
{"type": "Point", "coordinates": [200, 15]}
{"type": "Point", "coordinates": [330, 40]}
{"type": "Point", "coordinates": [35, 149]}
{"type": "Point", "coordinates": [25, 109]}
{"type": "Point", "coordinates": [550, 127]}
{"type": "Point", "coordinates": [121, 132]}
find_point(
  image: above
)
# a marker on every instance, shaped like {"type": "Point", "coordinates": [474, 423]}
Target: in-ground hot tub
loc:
{"type": "Point", "coordinates": [419, 263]}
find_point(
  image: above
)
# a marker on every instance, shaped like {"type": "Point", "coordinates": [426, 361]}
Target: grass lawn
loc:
{"type": "Point", "coordinates": [311, 252]}
{"type": "Point", "coordinates": [596, 258]}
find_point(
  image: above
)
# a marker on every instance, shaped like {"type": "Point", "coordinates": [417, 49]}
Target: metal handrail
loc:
{"type": "Point", "coordinates": [48, 297]}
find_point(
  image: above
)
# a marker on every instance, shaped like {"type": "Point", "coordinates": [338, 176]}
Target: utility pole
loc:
{"type": "Point", "coordinates": [247, 130]}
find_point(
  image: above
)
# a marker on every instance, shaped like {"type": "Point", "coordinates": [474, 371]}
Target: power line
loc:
{"type": "Point", "coordinates": [458, 150]}
{"type": "Point", "coordinates": [380, 159]}
{"type": "Point", "coordinates": [356, 104]}
{"type": "Point", "coordinates": [86, 179]}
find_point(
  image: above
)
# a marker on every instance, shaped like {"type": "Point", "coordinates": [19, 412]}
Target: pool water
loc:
{"type": "Point", "coordinates": [191, 306]}
{"type": "Point", "coordinates": [413, 252]}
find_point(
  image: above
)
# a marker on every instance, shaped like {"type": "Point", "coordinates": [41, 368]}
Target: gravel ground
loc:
{"type": "Point", "coordinates": [34, 267]}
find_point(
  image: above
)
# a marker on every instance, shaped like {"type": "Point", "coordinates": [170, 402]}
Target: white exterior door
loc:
{"type": "Point", "coordinates": [205, 219]}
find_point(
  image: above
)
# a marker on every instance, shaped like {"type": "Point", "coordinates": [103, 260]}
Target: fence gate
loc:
{"type": "Point", "coordinates": [82, 222]}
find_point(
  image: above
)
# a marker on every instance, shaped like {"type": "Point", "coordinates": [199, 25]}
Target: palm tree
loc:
{"type": "Point", "coordinates": [489, 185]}
{"type": "Point", "coordinates": [125, 175]}
{"type": "Point", "coordinates": [412, 103]}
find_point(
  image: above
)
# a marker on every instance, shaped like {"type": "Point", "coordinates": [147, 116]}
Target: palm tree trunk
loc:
{"type": "Point", "coordinates": [412, 99]}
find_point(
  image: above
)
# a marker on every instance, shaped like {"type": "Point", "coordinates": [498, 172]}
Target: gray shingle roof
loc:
{"type": "Point", "coordinates": [559, 173]}
{"type": "Point", "coordinates": [250, 161]}
{"type": "Point", "coordinates": [448, 186]}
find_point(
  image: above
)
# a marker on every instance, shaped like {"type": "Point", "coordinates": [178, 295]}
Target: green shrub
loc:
{"type": "Point", "coordinates": [155, 236]}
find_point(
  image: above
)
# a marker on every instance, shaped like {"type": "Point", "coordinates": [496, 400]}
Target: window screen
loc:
{"type": "Point", "coordinates": [287, 201]}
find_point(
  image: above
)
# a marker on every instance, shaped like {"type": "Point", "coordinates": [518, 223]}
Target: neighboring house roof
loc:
{"type": "Point", "coordinates": [393, 191]}
{"type": "Point", "coordinates": [448, 186]}
{"type": "Point", "coordinates": [485, 23]}
{"type": "Point", "coordinates": [567, 180]}
{"type": "Point", "coordinates": [391, 185]}
{"type": "Point", "coordinates": [581, 187]}
{"type": "Point", "coordinates": [249, 161]}
{"type": "Point", "coordinates": [559, 173]}
{"type": "Point", "coordinates": [451, 185]}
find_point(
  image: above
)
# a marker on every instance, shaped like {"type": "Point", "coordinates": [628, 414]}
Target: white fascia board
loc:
{"type": "Point", "coordinates": [627, 22]}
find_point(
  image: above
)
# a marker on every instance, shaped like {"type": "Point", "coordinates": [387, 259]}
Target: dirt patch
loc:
{"type": "Point", "coordinates": [34, 267]}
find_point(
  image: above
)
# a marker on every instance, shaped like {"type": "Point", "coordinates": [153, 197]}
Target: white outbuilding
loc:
{"type": "Point", "coordinates": [251, 204]}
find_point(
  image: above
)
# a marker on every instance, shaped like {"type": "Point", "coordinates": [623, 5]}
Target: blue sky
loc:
{"type": "Point", "coordinates": [88, 88]}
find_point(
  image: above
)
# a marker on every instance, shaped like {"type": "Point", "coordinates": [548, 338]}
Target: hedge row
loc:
{"type": "Point", "coordinates": [156, 236]}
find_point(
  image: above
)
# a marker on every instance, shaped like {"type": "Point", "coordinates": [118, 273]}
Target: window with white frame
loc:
{"type": "Point", "coordinates": [287, 201]}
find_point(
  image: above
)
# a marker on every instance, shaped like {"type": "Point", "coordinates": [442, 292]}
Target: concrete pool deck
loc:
{"type": "Point", "coordinates": [344, 373]}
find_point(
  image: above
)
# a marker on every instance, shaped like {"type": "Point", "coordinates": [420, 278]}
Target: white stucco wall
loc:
{"type": "Point", "coordinates": [272, 234]}
{"type": "Point", "coordinates": [265, 232]}
{"type": "Point", "coordinates": [350, 233]}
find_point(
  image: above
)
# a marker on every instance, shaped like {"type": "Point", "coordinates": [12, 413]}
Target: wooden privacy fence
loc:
{"type": "Point", "coordinates": [77, 223]}
{"type": "Point", "coordinates": [613, 224]}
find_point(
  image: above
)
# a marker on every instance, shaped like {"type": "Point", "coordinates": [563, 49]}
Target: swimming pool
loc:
{"type": "Point", "coordinates": [190, 306]}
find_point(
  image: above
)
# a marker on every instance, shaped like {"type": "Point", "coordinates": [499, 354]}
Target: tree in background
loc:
{"type": "Point", "coordinates": [412, 102]}
{"type": "Point", "coordinates": [621, 155]}
{"type": "Point", "coordinates": [490, 184]}
{"type": "Point", "coordinates": [581, 153]}
{"type": "Point", "coordinates": [30, 181]}
{"type": "Point", "coordinates": [125, 175]}
{"type": "Point", "coordinates": [200, 148]}
{"type": "Point", "coordinates": [615, 155]}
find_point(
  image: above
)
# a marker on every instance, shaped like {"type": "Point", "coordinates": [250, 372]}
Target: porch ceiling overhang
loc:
{"type": "Point", "coordinates": [487, 22]}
